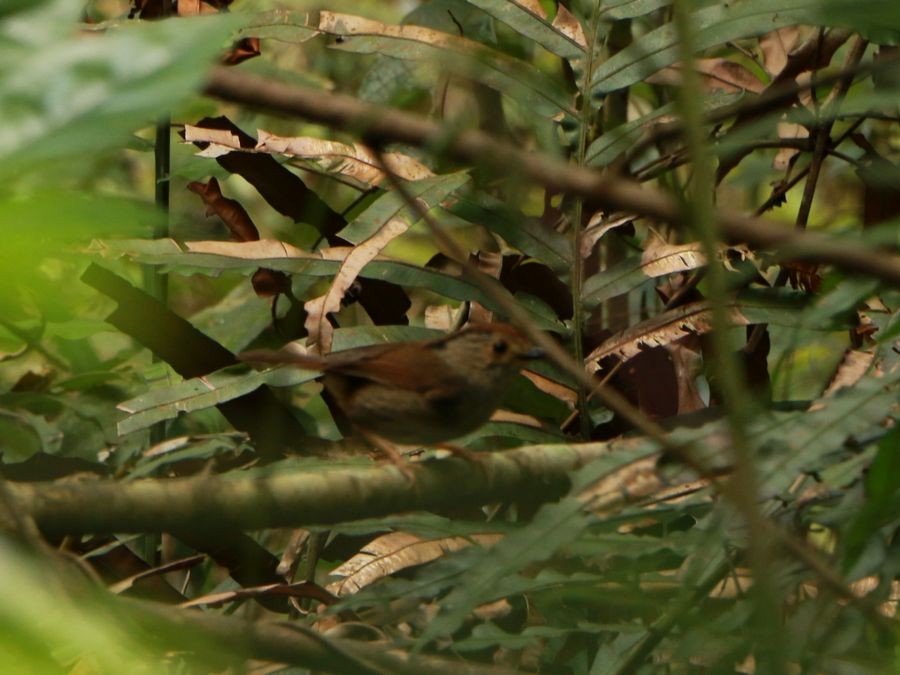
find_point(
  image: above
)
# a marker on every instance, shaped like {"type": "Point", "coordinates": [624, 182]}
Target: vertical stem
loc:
{"type": "Point", "coordinates": [739, 405]}
{"type": "Point", "coordinates": [156, 283]}
{"type": "Point", "coordinates": [586, 120]}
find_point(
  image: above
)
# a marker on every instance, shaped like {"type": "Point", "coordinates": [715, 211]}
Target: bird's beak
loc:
{"type": "Point", "coordinates": [533, 353]}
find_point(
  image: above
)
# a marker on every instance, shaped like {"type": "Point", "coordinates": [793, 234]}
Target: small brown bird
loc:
{"type": "Point", "coordinates": [420, 392]}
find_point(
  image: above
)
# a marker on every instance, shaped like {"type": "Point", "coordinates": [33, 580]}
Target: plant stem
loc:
{"type": "Point", "coordinates": [739, 406]}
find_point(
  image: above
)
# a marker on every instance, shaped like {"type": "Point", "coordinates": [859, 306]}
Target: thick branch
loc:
{"type": "Point", "coordinates": [378, 125]}
{"type": "Point", "coordinates": [540, 473]}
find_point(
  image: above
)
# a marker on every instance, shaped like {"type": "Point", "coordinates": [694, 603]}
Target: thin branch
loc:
{"type": "Point", "coordinates": [378, 125]}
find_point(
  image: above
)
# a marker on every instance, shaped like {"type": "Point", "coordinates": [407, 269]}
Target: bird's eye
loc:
{"type": "Point", "coordinates": [500, 347]}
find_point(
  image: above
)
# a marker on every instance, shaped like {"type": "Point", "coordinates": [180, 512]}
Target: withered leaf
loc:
{"type": "Point", "coordinates": [393, 552]}
{"type": "Point", "coordinates": [232, 213]}
{"type": "Point", "coordinates": [318, 309]}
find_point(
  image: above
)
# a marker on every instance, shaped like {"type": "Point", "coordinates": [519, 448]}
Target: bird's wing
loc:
{"type": "Point", "coordinates": [405, 366]}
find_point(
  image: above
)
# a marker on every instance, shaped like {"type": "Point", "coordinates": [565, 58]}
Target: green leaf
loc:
{"type": "Point", "coordinates": [630, 273]}
{"type": "Point", "coordinates": [712, 26]}
{"type": "Point", "coordinates": [203, 392]}
{"type": "Point", "coordinates": [22, 434]}
{"type": "Point", "coordinates": [553, 526]}
{"type": "Point", "coordinates": [523, 232]}
{"type": "Point", "coordinates": [86, 94]}
{"type": "Point", "coordinates": [878, 21]}
{"type": "Point", "coordinates": [430, 191]}
{"type": "Point", "coordinates": [616, 10]}
{"type": "Point", "coordinates": [522, 20]}
{"type": "Point", "coordinates": [882, 505]}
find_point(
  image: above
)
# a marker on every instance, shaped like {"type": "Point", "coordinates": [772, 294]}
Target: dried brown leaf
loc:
{"type": "Point", "coordinates": [393, 552]}
{"type": "Point", "coordinates": [490, 263]}
{"type": "Point", "coordinates": [776, 46]}
{"type": "Point", "coordinates": [566, 23]}
{"type": "Point", "coordinates": [792, 131]}
{"type": "Point", "coordinates": [243, 49]}
{"type": "Point", "coordinates": [232, 213]}
{"type": "Point", "coordinates": [850, 370]}
{"type": "Point", "coordinates": [597, 226]}
{"type": "Point", "coordinates": [356, 160]}
{"type": "Point", "coordinates": [348, 24]}
{"type": "Point", "coordinates": [195, 8]}
{"type": "Point", "coordinates": [692, 319]}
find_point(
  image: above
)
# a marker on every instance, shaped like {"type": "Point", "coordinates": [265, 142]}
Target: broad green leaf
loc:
{"type": "Point", "coordinates": [553, 526]}
{"type": "Point", "coordinates": [712, 26]}
{"type": "Point", "coordinates": [22, 434]}
{"type": "Point", "coordinates": [278, 24]}
{"type": "Point", "coordinates": [362, 336]}
{"type": "Point", "coordinates": [521, 17]}
{"type": "Point", "coordinates": [656, 261]}
{"type": "Point", "coordinates": [184, 449]}
{"type": "Point", "coordinates": [795, 443]}
{"type": "Point", "coordinates": [43, 233]}
{"type": "Point", "coordinates": [882, 503]}
{"type": "Point", "coordinates": [611, 144]}
{"type": "Point", "coordinates": [616, 10]}
{"type": "Point", "coordinates": [523, 232]}
{"type": "Point", "coordinates": [877, 20]}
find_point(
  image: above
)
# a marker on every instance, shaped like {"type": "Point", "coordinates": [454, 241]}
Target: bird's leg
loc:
{"type": "Point", "coordinates": [390, 453]}
{"type": "Point", "coordinates": [467, 455]}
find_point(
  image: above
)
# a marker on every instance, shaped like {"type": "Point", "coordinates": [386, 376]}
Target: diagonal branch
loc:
{"type": "Point", "coordinates": [378, 125]}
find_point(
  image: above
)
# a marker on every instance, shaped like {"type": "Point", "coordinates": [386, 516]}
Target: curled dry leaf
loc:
{"type": "Point", "coordinates": [850, 370]}
{"type": "Point", "coordinates": [348, 24]}
{"type": "Point", "coordinates": [266, 282]}
{"type": "Point", "coordinates": [243, 49]}
{"type": "Point", "coordinates": [597, 226]}
{"type": "Point", "coordinates": [356, 160]}
{"type": "Point", "coordinates": [491, 264]}
{"type": "Point", "coordinates": [565, 394]}
{"type": "Point", "coordinates": [393, 552]}
{"type": "Point", "coordinates": [661, 330]}
{"type": "Point", "coordinates": [317, 324]}
{"type": "Point", "coordinates": [232, 213]}
{"type": "Point", "coordinates": [566, 23]}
